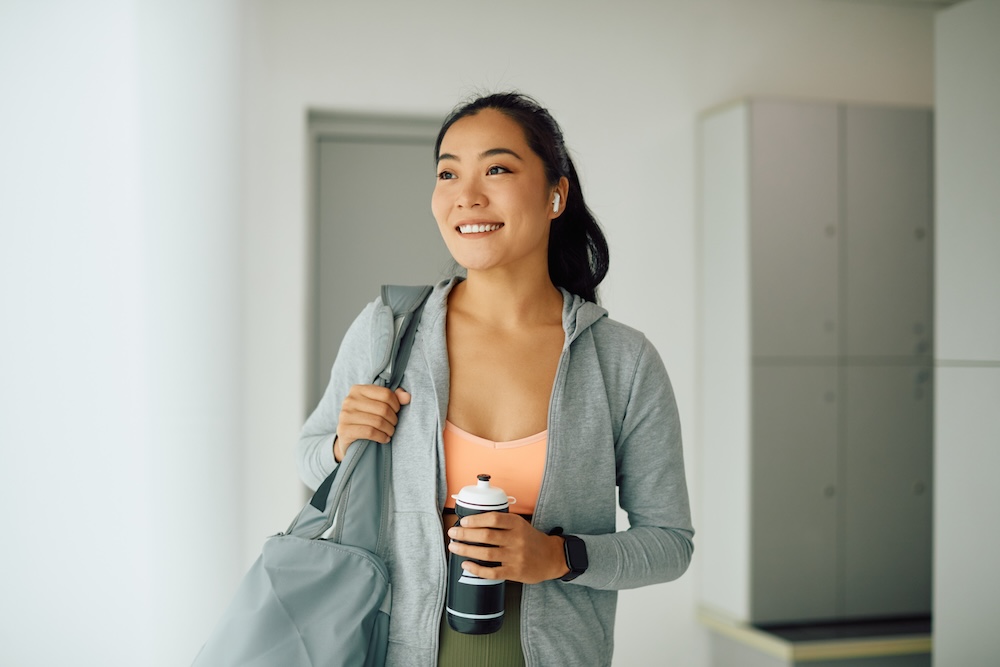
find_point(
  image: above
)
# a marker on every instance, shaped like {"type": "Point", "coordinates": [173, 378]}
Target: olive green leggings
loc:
{"type": "Point", "coordinates": [499, 649]}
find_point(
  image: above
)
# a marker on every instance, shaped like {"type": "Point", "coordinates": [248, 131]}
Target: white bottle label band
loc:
{"type": "Point", "coordinates": [477, 581]}
{"type": "Point", "coordinates": [478, 617]}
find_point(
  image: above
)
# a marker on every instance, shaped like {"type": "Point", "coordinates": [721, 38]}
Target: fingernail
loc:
{"type": "Point", "coordinates": [451, 532]}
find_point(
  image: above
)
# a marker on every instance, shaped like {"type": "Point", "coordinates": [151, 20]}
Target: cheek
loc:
{"type": "Point", "coordinates": [439, 207]}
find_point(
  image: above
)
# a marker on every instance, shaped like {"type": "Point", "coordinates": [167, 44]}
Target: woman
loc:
{"type": "Point", "coordinates": [516, 367]}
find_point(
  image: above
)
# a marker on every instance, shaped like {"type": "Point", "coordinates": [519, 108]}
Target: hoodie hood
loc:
{"type": "Point", "coordinates": [579, 314]}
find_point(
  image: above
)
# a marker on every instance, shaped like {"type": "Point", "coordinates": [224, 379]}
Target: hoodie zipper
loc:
{"type": "Point", "coordinates": [556, 385]}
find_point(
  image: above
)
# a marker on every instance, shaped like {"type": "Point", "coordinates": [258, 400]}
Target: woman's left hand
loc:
{"type": "Point", "coordinates": [525, 553]}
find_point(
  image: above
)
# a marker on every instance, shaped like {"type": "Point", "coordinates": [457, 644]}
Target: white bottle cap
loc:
{"type": "Point", "coordinates": [483, 497]}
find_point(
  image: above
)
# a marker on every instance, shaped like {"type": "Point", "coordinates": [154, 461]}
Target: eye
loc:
{"type": "Point", "coordinates": [496, 170]}
{"type": "Point", "coordinates": [445, 175]}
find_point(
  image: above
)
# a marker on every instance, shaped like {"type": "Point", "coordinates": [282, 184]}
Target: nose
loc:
{"type": "Point", "coordinates": [471, 194]}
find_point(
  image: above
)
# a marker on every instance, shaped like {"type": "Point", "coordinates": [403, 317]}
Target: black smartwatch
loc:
{"type": "Point", "coordinates": [576, 557]}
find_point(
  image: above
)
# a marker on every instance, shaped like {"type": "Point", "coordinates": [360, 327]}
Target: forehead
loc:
{"type": "Point", "coordinates": [487, 129]}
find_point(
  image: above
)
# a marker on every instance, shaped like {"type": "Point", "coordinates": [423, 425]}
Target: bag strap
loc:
{"type": "Point", "coordinates": [353, 496]}
{"type": "Point", "coordinates": [406, 304]}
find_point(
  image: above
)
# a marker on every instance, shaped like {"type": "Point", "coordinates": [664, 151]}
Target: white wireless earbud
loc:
{"type": "Point", "coordinates": [555, 203]}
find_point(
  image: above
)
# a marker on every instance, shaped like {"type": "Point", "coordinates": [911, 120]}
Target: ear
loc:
{"type": "Point", "coordinates": [562, 190]}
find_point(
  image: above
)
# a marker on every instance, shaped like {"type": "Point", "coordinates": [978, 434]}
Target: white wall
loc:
{"type": "Point", "coordinates": [122, 354]}
{"type": "Point", "coordinates": [967, 425]}
{"type": "Point", "coordinates": [626, 81]}
{"type": "Point", "coordinates": [119, 328]}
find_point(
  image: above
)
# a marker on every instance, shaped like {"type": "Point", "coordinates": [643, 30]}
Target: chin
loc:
{"type": "Point", "coordinates": [467, 262]}
{"type": "Point", "coordinates": [473, 266]}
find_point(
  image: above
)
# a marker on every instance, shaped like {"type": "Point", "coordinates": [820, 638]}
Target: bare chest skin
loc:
{"type": "Point", "coordinates": [501, 379]}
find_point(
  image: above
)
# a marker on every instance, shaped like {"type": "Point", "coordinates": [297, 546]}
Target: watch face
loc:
{"type": "Point", "coordinates": [576, 557]}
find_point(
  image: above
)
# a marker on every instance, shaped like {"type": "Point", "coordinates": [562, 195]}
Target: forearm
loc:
{"type": "Point", "coordinates": [315, 458]}
{"type": "Point", "coordinates": [652, 489]}
{"type": "Point", "coordinates": [636, 557]}
{"type": "Point", "coordinates": [314, 452]}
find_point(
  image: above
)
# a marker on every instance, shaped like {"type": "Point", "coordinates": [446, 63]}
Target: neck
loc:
{"type": "Point", "coordinates": [509, 300]}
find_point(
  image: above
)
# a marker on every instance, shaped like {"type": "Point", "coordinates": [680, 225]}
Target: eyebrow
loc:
{"type": "Point", "coordinates": [485, 154]}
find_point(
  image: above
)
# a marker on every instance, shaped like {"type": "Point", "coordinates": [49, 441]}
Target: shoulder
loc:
{"type": "Point", "coordinates": [616, 345]}
{"type": "Point", "coordinates": [609, 329]}
{"type": "Point", "coordinates": [627, 357]}
{"type": "Point", "coordinates": [369, 338]}
{"type": "Point", "coordinates": [364, 343]}
{"type": "Point", "coordinates": [616, 340]}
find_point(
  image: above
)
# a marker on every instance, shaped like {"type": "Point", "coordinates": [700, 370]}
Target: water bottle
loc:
{"type": "Point", "coordinates": [475, 605]}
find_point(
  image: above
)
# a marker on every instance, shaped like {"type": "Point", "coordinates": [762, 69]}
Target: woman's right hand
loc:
{"type": "Point", "coordinates": [369, 412]}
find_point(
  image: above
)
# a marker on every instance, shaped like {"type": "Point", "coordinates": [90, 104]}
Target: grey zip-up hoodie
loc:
{"type": "Point", "coordinates": [612, 422]}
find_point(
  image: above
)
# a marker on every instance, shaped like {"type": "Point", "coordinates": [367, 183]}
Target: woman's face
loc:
{"type": "Point", "coordinates": [492, 202]}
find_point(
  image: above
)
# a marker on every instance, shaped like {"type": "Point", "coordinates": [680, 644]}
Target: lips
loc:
{"type": "Point", "coordinates": [479, 228]}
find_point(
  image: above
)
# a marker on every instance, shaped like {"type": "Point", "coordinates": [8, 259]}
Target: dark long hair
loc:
{"type": "Point", "coordinates": [578, 251]}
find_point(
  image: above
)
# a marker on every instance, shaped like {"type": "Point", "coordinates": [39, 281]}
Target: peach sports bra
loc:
{"type": "Point", "coordinates": [515, 466]}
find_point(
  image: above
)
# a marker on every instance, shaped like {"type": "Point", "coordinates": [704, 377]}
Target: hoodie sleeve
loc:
{"type": "Point", "coordinates": [352, 366]}
{"type": "Point", "coordinates": [658, 545]}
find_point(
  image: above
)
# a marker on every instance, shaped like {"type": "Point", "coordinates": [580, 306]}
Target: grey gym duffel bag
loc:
{"type": "Point", "coordinates": [315, 601]}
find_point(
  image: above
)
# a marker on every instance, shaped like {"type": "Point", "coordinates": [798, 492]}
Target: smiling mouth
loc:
{"type": "Point", "coordinates": [479, 228]}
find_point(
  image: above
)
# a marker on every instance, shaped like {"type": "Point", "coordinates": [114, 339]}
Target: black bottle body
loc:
{"type": "Point", "coordinates": [475, 606]}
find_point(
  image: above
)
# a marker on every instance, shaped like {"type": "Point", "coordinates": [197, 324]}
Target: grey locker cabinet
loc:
{"type": "Point", "coordinates": [816, 244]}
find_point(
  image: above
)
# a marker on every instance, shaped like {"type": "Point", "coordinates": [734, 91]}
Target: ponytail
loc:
{"type": "Point", "coordinates": [578, 251]}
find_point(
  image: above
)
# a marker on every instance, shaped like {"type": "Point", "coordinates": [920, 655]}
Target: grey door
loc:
{"type": "Point", "coordinates": [374, 179]}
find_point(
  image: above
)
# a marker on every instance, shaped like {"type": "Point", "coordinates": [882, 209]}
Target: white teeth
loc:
{"type": "Point", "coordinates": [478, 229]}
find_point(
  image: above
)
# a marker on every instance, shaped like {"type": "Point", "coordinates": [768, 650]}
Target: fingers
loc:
{"type": "Point", "coordinates": [486, 572]}
{"type": "Point", "coordinates": [487, 554]}
{"type": "Point", "coordinates": [501, 520]}
{"type": "Point", "coordinates": [479, 551]}
{"type": "Point", "coordinates": [506, 562]}
{"type": "Point", "coordinates": [375, 393]}
{"type": "Point", "coordinates": [495, 540]}
{"type": "Point", "coordinates": [524, 553]}
{"type": "Point", "coordinates": [369, 412]}
{"type": "Point", "coordinates": [495, 528]}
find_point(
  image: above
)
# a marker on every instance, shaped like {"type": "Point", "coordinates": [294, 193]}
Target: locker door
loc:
{"type": "Point", "coordinates": [794, 200]}
{"type": "Point", "coordinates": [793, 524]}
{"type": "Point", "coordinates": [888, 214]}
{"type": "Point", "coordinates": [888, 510]}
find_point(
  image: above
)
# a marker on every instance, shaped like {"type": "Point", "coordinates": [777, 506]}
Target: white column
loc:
{"type": "Point", "coordinates": [967, 419]}
{"type": "Point", "coordinates": [189, 88]}
{"type": "Point", "coordinates": [119, 328]}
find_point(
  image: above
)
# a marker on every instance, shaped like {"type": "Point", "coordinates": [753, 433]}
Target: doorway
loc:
{"type": "Point", "coordinates": [371, 221]}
